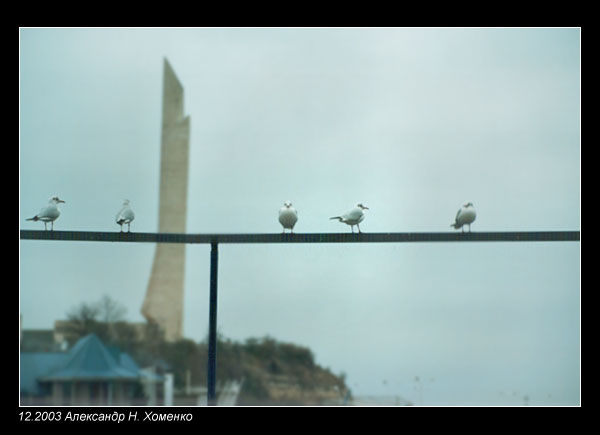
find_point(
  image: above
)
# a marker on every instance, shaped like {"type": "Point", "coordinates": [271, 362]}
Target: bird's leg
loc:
{"type": "Point", "coordinates": [128, 227]}
{"type": "Point", "coordinates": [358, 226]}
{"type": "Point", "coordinates": [352, 226]}
{"type": "Point", "coordinates": [462, 228]}
{"type": "Point", "coordinates": [45, 226]}
{"type": "Point", "coordinates": [52, 226]}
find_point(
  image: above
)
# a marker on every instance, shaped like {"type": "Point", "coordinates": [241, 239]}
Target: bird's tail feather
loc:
{"type": "Point", "coordinates": [336, 217]}
{"type": "Point", "coordinates": [35, 218]}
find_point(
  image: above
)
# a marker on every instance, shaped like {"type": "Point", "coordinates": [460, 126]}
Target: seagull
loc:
{"type": "Point", "coordinates": [353, 217]}
{"type": "Point", "coordinates": [288, 216]}
{"type": "Point", "coordinates": [465, 216]}
{"type": "Point", "coordinates": [49, 213]}
{"type": "Point", "coordinates": [125, 216]}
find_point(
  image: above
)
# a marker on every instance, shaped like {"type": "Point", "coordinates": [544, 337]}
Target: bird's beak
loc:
{"type": "Point", "coordinates": [366, 208]}
{"type": "Point", "coordinates": [60, 200]}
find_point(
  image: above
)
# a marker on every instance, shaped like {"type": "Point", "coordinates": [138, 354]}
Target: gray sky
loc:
{"type": "Point", "coordinates": [411, 122]}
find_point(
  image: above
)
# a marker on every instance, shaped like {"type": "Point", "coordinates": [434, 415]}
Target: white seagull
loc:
{"type": "Point", "coordinates": [125, 216]}
{"type": "Point", "coordinates": [465, 216]}
{"type": "Point", "coordinates": [353, 217]}
{"type": "Point", "coordinates": [49, 213]}
{"type": "Point", "coordinates": [288, 216]}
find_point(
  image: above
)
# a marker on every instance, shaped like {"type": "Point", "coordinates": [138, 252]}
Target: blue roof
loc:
{"type": "Point", "coordinates": [89, 359]}
{"type": "Point", "coordinates": [34, 365]}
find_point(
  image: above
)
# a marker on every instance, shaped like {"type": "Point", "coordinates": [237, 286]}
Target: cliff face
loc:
{"type": "Point", "coordinates": [286, 390]}
{"type": "Point", "coordinates": [276, 373]}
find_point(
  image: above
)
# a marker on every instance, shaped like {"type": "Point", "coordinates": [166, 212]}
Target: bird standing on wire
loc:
{"type": "Point", "coordinates": [353, 217]}
{"type": "Point", "coordinates": [49, 213]}
{"type": "Point", "coordinates": [288, 216]}
{"type": "Point", "coordinates": [466, 216]}
{"type": "Point", "coordinates": [125, 216]}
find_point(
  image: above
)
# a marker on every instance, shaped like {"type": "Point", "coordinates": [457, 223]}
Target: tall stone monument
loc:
{"type": "Point", "coordinates": [164, 297]}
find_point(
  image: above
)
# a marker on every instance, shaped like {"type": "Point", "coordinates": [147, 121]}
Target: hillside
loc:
{"type": "Point", "coordinates": [273, 373]}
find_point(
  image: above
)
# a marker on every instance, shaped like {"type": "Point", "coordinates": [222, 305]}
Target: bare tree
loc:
{"type": "Point", "coordinates": [110, 310]}
{"type": "Point", "coordinates": [83, 320]}
{"type": "Point", "coordinates": [84, 313]}
{"type": "Point", "coordinates": [94, 318]}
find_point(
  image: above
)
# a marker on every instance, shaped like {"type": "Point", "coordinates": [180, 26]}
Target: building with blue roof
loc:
{"type": "Point", "coordinates": [90, 373]}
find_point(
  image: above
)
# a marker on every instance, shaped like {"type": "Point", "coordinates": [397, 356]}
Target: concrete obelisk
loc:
{"type": "Point", "coordinates": [164, 297]}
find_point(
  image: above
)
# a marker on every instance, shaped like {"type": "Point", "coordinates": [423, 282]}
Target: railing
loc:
{"type": "Point", "coordinates": [95, 236]}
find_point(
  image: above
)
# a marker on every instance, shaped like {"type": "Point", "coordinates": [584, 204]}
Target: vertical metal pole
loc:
{"type": "Point", "coordinates": [212, 327]}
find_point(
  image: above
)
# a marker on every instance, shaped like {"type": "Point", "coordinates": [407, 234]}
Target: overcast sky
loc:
{"type": "Point", "coordinates": [411, 122]}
